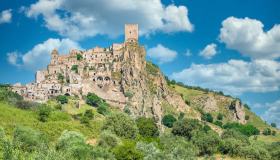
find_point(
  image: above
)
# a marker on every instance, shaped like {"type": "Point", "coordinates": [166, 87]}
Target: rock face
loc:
{"type": "Point", "coordinates": [119, 74]}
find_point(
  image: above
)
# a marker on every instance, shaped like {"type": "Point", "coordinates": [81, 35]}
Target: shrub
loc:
{"type": "Point", "coordinates": [247, 129]}
{"type": "Point", "coordinates": [93, 100]}
{"type": "Point", "coordinates": [60, 78]}
{"type": "Point", "coordinates": [187, 102]}
{"type": "Point", "coordinates": [88, 113]}
{"type": "Point", "coordinates": [85, 120]}
{"type": "Point", "coordinates": [150, 151]}
{"type": "Point", "coordinates": [273, 133]}
{"type": "Point", "coordinates": [28, 139]}
{"type": "Point", "coordinates": [127, 110]}
{"type": "Point", "coordinates": [207, 142]}
{"type": "Point", "coordinates": [207, 117]}
{"type": "Point", "coordinates": [62, 99]}
{"type": "Point", "coordinates": [231, 146]}
{"type": "Point", "coordinates": [177, 148]}
{"type": "Point", "coordinates": [246, 106]}
{"type": "Point", "coordinates": [220, 117]}
{"type": "Point", "coordinates": [273, 125]}
{"type": "Point", "coordinates": [103, 109]}
{"type": "Point", "coordinates": [121, 124]}
{"type": "Point", "coordinates": [181, 116]}
{"type": "Point", "coordinates": [43, 113]}
{"type": "Point", "coordinates": [59, 116]}
{"type": "Point", "coordinates": [218, 123]}
{"type": "Point", "coordinates": [22, 104]}
{"type": "Point", "coordinates": [100, 153]}
{"type": "Point", "coordinates": [147, 127]}
{"type": "Point", "coordinates": [267, 131]}
{"type": "Point", "coordinates": [108, 140]}
{"type": "Point", "coordinates": [254, 152]}
{"type": "Point", "coordinates": [79, 57]}
{"type": "Point", "coordinates": [168, 120]}
{"type": "Point", "coordinates": [73, 143]}
{"type": "Point", "coordinates": [185, 127]}
{"type": "Point", "coordinates": [247, 117]}
{"type": "Point", "coordinates": [75, 68]}
{"type": "Point", "coordinates": [127, 151]}
{"type": "Point", "coordinates": [274, 150]}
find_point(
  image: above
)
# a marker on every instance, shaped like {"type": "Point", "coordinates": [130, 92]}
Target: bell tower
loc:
{"type": "Point", "coordinates": [131, 32]}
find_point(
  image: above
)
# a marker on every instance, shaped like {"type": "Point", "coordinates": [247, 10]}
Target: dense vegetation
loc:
{"type": "Point", "coordinates": [54, 130]}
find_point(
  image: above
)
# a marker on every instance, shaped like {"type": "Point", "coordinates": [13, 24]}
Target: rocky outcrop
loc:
{"type": "Point", "coordinates": [238, 113]}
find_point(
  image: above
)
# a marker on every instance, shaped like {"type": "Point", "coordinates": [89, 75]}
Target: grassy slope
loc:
{"type": "Point", "coordinates": [59, 121]}
{"type": "Point", "coordinates": [190, 94]}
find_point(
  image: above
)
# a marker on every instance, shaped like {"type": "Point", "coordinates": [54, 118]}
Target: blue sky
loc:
{"type": "Point", "coordinates": [232, 46]}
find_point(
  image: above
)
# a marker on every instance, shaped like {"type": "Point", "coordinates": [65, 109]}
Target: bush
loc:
{"type": "Point", "coordinates": [273, 133]}
{"type": "Point", "coordinates": [121, 124]}
{"type": "Point", "coordinates": [62, 99]}
{"type": "Point", "coordinates": [85, 120]}
{"type": "Point", "coordinates": [79, 57]}
{"type": "Point", "coordinates": [150, 151]}
{"type": "Point", "coordinates": [100, 153]}
{"type": "Point", "coordinates": [28, 139]}
{"type": "Point", "coordinates": [231, 146]}
{"type": "Point", "coordinates": [59, 116]}
{"type": "Point", "coordinates": [168, 120]}
{"type": "Point", "coordinates": [147, 127]}
{"type": "Point", "coordinates": [75, 68]}
{"type": "Point", "coordinates": [207, 142]}
{"type": "Point", "coordinates": [186, 127]}
{"type": "Point", "coordinates": [254, 152]}
{"type": "Point", "coordinates": [22, 104]}
{"type": "Point", "coordinates": [181, 116]}
{"type": "Point", "coordinates": [127, 151]}
{"type": "Point", "coordinates": [177, 148]}
{"type": "Point", "coordinates": [267, 131]}
{"type": "Point", "coordinates": [108, 140]}
{"type": "Point", "coordinates": [207, 117]}
{"type": "Point", "coordinates": [43, 113]}
{"type": "Point", "coordinates": [73, 143]}
{"type": "Point", "coordinates": [88, 113]}
{"type": "Point", "coordinates": [218, 123]}
{"type": "Point", "coordinates": [247, 129]}
{"type": "Point", "coordinates": [103, 109]}
{"type": "Point", "coordinates": [247, 117]}
{"type": "Point", "coordinates": [274, 150]}
{"type": "Point", "coordinates": [273, 125]}
{"type": "Point", "coordinates": [60, 78]}
{"type": "Point", "coordinates": [220, 117]}
{"type": "Point", "coordinates": [93, 100]}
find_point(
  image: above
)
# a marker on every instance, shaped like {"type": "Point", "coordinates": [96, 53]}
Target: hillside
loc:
{"type": "Point", "coordinates": [136, 137]}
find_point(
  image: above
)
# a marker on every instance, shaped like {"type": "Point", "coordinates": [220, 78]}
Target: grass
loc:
{"type": "Point", "coordinates": [255, 120]}
{"type": "Point", "coordinates": [59, 121]}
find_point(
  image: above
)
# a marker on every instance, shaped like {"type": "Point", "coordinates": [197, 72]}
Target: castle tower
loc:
{"type": "Point", "coordinates": [131, 32]}
{"type": "Point", "coordinates": [54, 56]}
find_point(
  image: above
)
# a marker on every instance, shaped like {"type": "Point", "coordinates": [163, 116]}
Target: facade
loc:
{"type": "Point", "coordinates": [95, 70]}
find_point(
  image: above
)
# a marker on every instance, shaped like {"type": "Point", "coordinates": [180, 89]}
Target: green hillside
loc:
{"type": "Point", "coordinates": [59, 129]}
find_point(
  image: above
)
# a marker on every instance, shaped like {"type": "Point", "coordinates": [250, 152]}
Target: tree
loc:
{"type": "Point", "coordinates": [186, 127]}
{"type": "Point", "coordinates": [108, 140]}
{"type": "Point", "coordinates": [220, 117]}
{"type": "Point", "coordinates": [75, 68]}
{"type": "Point", "coordinates": [44, 112]}
{"type": "Point", "coordinates": [127, 151]}
{"type": "Point", "coordinates": [150, 151]}
{"type": "Point", "coordinates": [207, 117]}
{"type": "Point", "coordinates": [273, 125]}
{"type": "Point", "coordinates": [93, 100]}
{"type": "Point", "coordinates": [246, 129]}
{"type": "Point", "coordinates": [121, 124]}
{"type": "Point", "coordinates": [147, 127]}
{"type": "Point", "coordinates": [62, 99]}
{"type": "Point", "coordinates": [60, 78]}
{"type": "Point", "coordinates": [168, 120]}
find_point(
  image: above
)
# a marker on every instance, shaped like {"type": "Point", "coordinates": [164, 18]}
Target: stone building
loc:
{"type": "Point", "coordinates": [94, 70]}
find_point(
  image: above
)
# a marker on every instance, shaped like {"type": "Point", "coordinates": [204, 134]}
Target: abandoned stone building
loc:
{"type": "Point", "coordinates": [79, 72]}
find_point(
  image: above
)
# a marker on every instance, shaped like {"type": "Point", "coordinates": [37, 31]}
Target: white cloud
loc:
{"type": "Point", "coordinates": [39, 56]}
{"type": "Point", "coordinates": [209, 51]}
{"type": "Point", "coordinates": [248, 37]}
{"type": "Point", "coordinates": [6, 16]}
{"type": "Point", "coordinates": [272, 114]}
{"type": "Point", "coordinates": [162, 54]}
{"type": "Point", "coordinates": [234, 77]}
{"type": "Point", "coordinates": [87, 18]}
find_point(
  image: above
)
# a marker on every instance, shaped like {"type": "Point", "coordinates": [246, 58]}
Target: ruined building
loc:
{"type": "Point", "coordinates": [119, 74]}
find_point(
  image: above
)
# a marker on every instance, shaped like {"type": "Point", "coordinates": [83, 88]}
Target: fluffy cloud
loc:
{"type": "Point", "coordinates": [162, 54]}
{"type": "Point", "coordinates": [248, 37]}
{"type": "Point", "coordinates": [272, 114]}
{"type": "Point", "coordinates": [209, 51]}
{"type": "Point", "coordinates": [39, 56]}
{"type": "Point", "coordinates": [6, 16]}
{"type": "Point", "coordinates": [234, 77]}
{"type": "Point", "coordinates": [86, 18]}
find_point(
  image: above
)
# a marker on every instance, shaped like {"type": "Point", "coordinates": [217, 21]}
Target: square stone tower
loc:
{"type": "Point", "coordinates": [131, 32]}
